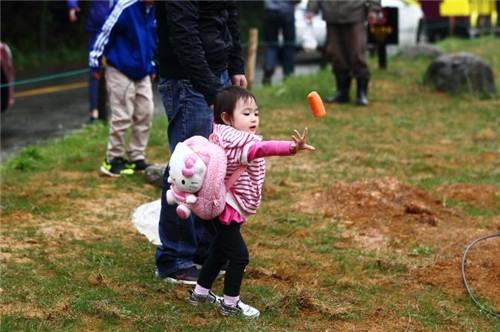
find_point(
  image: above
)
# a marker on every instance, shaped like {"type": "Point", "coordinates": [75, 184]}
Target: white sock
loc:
{"type": "Point", "coordinates": [231, 300]}
{"type": "Point", "coordinates": [201, 290]}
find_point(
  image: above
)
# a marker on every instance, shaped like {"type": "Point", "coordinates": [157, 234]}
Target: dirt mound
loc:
{"type": "Point", "coordinates": [428, 236]}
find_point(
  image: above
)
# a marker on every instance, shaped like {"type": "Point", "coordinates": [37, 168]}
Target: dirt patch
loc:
{"type": "Point", "coordinates": [386, 215]}
{"type": "Point", "coordinates": [480, 196]}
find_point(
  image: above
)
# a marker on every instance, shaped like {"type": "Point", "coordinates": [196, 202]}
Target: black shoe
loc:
{"type": "Point", "coordinates": [340, 97]}
{"type": "Point", "coordinates": [187, 276]}
{"type": "Point", "coordinates": [115, 167]}
{"type": "Point", "coordinates": [362, 98]}
{"type": "Point", "coordinates": [92, 120]}
{"type": "Point", "coordinates": [343, 80]}
{"type": "Point", "coordinates": [138, 165]}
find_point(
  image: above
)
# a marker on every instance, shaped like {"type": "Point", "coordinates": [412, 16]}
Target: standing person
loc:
{"type": "Point", "coordinates": [279, 16]}
{"type": "Point", "coordinates": [199, 54]}
{"type": "Point", "coordinates": [237, 122]}
{"type": "Point", "coordinates": [99, 10]}
{"type": "Point", "coordinates": [346, 40]}
{"type": "Point", "coordinates": [128, 40]}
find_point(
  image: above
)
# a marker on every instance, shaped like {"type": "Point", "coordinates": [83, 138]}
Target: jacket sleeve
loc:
{"type": "Point", "coordinates": [236, 63]}
{"type": "Point", "coordinates": [72, 4]}
{"type": "Point", "coordinates": [182, 20]}
{"type": "Point", "coordinates": [313, 6]}
{"type": "Point", "coordinates": [102, 39]}
{"type": "Point", "coordinates": [374, 5]}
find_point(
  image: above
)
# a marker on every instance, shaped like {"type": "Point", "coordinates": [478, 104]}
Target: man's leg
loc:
{"type": "Point", "coordinates": [288, 27]}
{"type": "Point", "coordinates": [142, 119]}
{"type": "Point", "coordinates": [188, 115]}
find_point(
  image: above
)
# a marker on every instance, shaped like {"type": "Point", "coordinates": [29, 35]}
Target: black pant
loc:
{"type": "Point", "coordinates": [227, 246]}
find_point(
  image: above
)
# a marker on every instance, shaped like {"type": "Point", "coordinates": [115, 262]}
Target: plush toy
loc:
{"type": "Point", "coordinates": [197, 170]}
{"type": "Point", "coordinates": [187, 173]}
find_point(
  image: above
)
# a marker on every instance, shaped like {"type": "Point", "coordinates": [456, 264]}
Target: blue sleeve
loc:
{"type": "Point", "coordinates": [72, 4]}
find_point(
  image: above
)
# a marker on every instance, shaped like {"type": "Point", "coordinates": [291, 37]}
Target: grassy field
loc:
{"type": "Point", "coordinates": [365, 234]}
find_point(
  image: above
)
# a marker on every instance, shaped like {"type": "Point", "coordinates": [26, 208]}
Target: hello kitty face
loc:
{"type": "Point", "coordinates": [187, 170]}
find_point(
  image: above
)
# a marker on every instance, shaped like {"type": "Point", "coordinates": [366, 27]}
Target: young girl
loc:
{"type": "Point", "coordinates": [236, 123]}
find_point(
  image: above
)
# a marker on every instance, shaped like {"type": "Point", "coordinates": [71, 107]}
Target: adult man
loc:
{"type": "Point", "coordinates": [199, 54]}
{"type": "Point", "coordinates": [346, 43]}
{"type": "Point", "coordinates": [279, 16]}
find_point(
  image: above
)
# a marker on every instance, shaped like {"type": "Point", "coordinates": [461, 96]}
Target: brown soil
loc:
{"type": "Point", "coordinates": [382, 215]}
{"type": "Point", "coordinates": [386, 215]}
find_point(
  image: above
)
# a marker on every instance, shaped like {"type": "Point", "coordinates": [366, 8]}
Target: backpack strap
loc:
{"type": "Point", "coordinates": [232, 179]}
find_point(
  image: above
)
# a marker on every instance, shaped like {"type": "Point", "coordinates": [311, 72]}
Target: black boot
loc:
{"type": "Point", "coordinates": [362, 95]}
{"type": "Point", "coordinates": [268, 74]}
{"type": "Point", "coordinates": [343, 87]}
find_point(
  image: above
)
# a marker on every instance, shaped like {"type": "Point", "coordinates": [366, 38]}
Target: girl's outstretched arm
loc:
{"type": "Point", "coordinates": [299, 142]}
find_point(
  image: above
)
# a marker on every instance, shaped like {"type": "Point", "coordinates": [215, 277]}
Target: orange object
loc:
{"type": "Point", "coordinates": [317, 107]}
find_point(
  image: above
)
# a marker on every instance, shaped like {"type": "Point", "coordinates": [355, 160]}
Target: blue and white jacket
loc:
{"type": "Point", "coordinates": [127, 39]}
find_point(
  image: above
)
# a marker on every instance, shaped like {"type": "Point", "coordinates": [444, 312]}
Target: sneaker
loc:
{"type": "Point", "coordinates": [211, 298]}
{"type": "Point", "coordinates": [187, 276]}
{"type": "Point", "coordinates": [138, 165]}
{"type": "Point", "coordinates": [115, 167]}
{"type": "Point", "coordinates": [241, 309]}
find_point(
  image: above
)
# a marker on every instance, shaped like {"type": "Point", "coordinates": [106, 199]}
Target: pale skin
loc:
{"type": "Point", "coordinates": [246, 118]}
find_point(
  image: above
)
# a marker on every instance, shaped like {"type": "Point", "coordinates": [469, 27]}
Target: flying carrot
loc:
{"type": "Point", "coordinates": [316, 104]}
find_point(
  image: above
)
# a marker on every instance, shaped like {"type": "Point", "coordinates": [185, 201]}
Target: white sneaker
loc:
{"type": "Point", "coordinates": [240, 309]}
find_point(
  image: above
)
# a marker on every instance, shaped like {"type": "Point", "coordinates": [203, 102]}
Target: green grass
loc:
{"type": "Point", "coordinates": [71, 260]}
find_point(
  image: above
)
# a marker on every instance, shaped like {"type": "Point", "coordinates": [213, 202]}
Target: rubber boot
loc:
{"type": "Point", "coordinates": [341, 96]}
{"type": "Point", "coordinates": [362, 94]}
{"type": "Point", "coordinates": [268, 74]}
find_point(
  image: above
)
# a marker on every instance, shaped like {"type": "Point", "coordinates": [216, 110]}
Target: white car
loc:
{"type": "Point", "coordinates": [411, 22]}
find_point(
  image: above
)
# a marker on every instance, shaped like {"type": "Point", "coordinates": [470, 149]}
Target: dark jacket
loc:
{"type": "Point", "coordinates": [344, 11]}
{"type": "Point", "coordinates": [198, 40]}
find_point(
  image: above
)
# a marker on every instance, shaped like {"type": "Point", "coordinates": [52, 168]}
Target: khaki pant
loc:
{"type": "Point", "coordinates": [131, 104]}
{"type": "Point", "coordinates": [346, 43]}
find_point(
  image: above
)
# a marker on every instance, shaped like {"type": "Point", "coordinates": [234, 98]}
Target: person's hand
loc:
{"type": "Point", "coordinates": [309, 17]}
{"type": "Point", "coordinates": [96, 75]}
{"type": "Point", "coordinates": [72, 14]}
{"type": "Point", "coordinates": [299, 142]}
{"type": "Point", "coordinates": [372, 17]}
{"type": "Point", "coordinates": [152, 77]}
{"type": "Point", "coordinates": [239, 80]}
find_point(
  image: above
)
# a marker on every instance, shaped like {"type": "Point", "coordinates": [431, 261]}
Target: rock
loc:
{"type": "Point", "coordinates": [461, 72]}
{"type": "Point", "coordinates": [420, 50]}
{"type": "Point", "coordinates": [154, 174]}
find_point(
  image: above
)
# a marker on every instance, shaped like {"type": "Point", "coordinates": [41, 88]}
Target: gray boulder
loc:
{"type": "Point", "coordinates": [154, 174]}
{"type": "Point", "coordinates": [419, 50]}
{"type": "Point", "coordinates": [461, 72]}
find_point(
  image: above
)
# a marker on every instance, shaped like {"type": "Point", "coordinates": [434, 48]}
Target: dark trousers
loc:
{"type": "Point", "coordinates": [346, 43]}
{"type": "Point", "coordinates": [227, 245]}
{"type": "Point", "coordinates": [274, 22]}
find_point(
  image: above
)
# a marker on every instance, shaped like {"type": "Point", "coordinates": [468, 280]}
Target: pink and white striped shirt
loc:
{"type": "Point", "coordinates": [244, 197]}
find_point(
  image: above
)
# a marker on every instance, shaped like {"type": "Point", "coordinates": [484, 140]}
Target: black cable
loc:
{"type": "Point", "coordinates": [482, 308]}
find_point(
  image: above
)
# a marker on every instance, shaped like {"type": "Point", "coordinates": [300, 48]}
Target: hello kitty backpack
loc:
{"type": "Point", "coordinates": [197, 171]}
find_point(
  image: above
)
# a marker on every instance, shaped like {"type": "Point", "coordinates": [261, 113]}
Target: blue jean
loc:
{"type": "Point", "coordinates": [182, 240]}
{"type": "Point", "coordinates": [275, 21]}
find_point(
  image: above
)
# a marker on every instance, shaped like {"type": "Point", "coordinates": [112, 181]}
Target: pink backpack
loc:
{"type": "Point", "coordinates": [197, 172]}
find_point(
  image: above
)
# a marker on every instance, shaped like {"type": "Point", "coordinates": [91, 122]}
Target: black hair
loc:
{"type": "Point", "coordinates": [226, 99]}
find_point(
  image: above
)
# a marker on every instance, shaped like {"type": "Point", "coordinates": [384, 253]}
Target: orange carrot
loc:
{"type": "Point", "coordinates": [316, 104]}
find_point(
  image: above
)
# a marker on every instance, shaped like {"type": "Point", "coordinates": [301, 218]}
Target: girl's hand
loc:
{"type": "Point", "coordinates": [299, 142]}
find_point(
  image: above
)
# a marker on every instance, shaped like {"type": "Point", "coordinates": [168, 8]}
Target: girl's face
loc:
{"type": "Point", "coordinates": [245, 116]}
